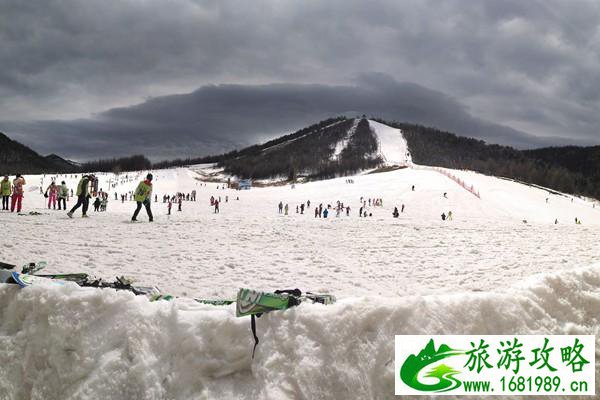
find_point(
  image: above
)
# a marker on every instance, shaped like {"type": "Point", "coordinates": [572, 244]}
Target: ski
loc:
{"type": "Point", "coordinates": [4, 265]}
{"type": "Point", "coordinates": [73, 277]}
{"type": "Point", "coordinates": [24, 280]}
{"type": "Point", "coordinates": [252, 302]}
{"type": "Point", "coordinates": [215, 302]}
{"type": "Point", "coordinates": [255, 303]}
{"type": "Point", "coordinates": [32, 268]}
{"type": "Point", "coordinates": [325, 299]}
{"type": "Point", "coordinates": [212, 302]}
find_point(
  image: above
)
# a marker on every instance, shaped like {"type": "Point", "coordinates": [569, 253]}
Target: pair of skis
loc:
{"type": "Point", "coordinates": [248, 302]}
{"type": "Point", "coordinates": [30, 274]}
{"type": "Point", "coordinates": [255, 303]}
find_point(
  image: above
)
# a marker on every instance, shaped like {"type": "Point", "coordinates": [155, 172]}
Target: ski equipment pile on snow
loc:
{"type": "Point", "coordinates": [248, 302]}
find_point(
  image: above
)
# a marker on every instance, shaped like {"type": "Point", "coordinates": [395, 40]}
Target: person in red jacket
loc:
{"type": "Point", "coordinates": [17, 196]}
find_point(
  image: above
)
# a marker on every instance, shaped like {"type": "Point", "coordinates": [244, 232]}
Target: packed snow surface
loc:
{"type": "Point", "coordinates": [392, 145]}
{"type": "Point", "coordinates": [484, 272]}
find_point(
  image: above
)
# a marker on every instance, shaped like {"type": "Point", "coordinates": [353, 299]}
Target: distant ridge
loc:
{"type": "Point", "coordinates": [345, 146]}
{"type": "Point", "coordinates": [18, 158]}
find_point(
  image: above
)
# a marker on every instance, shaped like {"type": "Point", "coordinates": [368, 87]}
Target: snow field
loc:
{"type": "Point", "coordinates": [484, 272]}
{"type": "Point", "coordinates": [66, 342]}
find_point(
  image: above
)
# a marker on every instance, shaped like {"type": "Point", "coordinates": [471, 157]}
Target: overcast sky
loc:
{"type": "Point", "coordinates": [88, 79]}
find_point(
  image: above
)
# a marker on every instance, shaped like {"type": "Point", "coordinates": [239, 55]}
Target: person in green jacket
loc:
{"type": "Point", "coordinates": [5, 191]}
{"type": "Point", "coordinates": [63, 193]}
{"type": "Point", "coordinates": [143, 195]}
{"type": "Point", "coordinates": [83, 196]}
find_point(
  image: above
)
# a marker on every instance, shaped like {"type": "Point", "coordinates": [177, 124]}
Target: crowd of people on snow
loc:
{"type": "Point", "coordinates": [12, 193]}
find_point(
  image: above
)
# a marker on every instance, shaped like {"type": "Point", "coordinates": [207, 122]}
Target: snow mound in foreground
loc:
{"type": "Point", "coordinates": [64, 342]}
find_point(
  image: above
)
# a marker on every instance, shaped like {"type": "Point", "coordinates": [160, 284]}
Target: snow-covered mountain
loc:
{"type": "Point", "coordinates": [326, 150]}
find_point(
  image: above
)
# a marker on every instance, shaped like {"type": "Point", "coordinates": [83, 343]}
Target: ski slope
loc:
{"type": "Point", "coordinates": [484, 272]}
{"type": "Point", "coordinates": [392, 145]}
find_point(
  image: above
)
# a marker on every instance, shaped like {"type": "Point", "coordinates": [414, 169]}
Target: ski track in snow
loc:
{"type": "Point", "coordinates": [484, 272]}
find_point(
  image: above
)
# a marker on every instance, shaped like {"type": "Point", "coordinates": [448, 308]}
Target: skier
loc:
{"type": "Point", "coordinates": [325, 212]}
{"type": "Point", "coordinates": [17, 193]}
{"type": "Point", "coordinates": [302, 208]}
{"type": "Point", "coordinates": [445, 195]}
{"type": "Point", "coordinates": [443, 217]}
{"type": "Point", "coordinates": [395, 214]}
{"type": "Point", "coordinates": [51, 193]}
{"type": "Point", "coordinates": [179, 203]}
{"type": "Point", "coordinates": [83, 196]}
{"type": "Point", "coordinates": [143, 195]}
{"type": "Point", "coordinates": [449, 215]}
{"type": "Point", "coordinates": [280, 207]}
{"type": "Point", "coordinates": [413, 188]}
{"type": "Point", "coordinates": [63, 193]}
{"type": "Point", "coordinates": [5, 191]}
{"type": "Point", "coordinates": [360, 212]}
{"type": "Point", "coordinates": [97, 204]}
{"type": "Point", "coordinates": [316, 212]}
{"type": "Point", "coordinates": [169, 205]}
{"type": "Point", "coordinates": [217, 207]}
{"type": "Point", "coordinates": [286, 209]}
{"type": "Point", "coordinates": [347, 211]}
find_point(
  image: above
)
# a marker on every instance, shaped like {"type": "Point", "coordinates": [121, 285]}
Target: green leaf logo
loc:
{"type": "Point", "coordinates": [409, 372]}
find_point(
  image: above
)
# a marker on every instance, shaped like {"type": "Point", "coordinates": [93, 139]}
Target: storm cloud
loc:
{"type": "Point", "coordinates": [513, 72]}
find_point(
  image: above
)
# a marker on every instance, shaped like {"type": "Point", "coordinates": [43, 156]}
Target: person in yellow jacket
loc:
{"type": "Point", "coordinates": [83, 195]}
{"type": "Point", "coordinates": [5, 191]}
{"type": "Point", "coordinates": [143, 195]}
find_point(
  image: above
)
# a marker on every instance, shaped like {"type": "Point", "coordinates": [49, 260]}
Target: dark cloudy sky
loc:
{"type": "Point", "coordinates": [97, 78]}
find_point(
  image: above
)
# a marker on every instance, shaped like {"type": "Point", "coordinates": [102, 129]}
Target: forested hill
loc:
{"type": "Point", "coordinates": [331, 148]}
{"type": "Point", "coordinates": [18, 158]}
{"type": "Point", "coordinates": [344, 146]}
